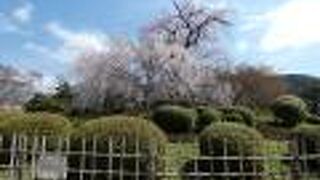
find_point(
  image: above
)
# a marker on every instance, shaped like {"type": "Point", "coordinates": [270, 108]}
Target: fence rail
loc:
{"type": "Point", "coordinates": [63, 158]}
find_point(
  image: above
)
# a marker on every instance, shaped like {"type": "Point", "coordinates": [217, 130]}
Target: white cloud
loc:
{"type": "Point", "coordinates": [71, 43]}
{"type": "Point", "coordinates": [23, 13]}
{"type": "Point", "coordinates": [46, 84]}
{"type": "Point", "coordinates": [75, 43]}
{"type": "Point", "coordinates": [214, 4]}
{"type": "Point", "coordinates": [12, 22]}
{"type": "Point", "coordinates": [6, 25]}
{"type": "Point", "coordinates": [292, 25]}
{"type": "Point", "coordinates": [96, 41]}
{"type": "Point", "coordinates": [242, 46]}
{"type": "Point", "coordinates": [43, 50]}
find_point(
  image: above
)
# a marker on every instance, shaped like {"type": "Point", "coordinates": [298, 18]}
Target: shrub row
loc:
{"type": "Point", "coordinates": [30, 124]}
{"type": "Point", "coordinates": [181, 120]}
{"type": "Point", "coordinates": [307, 138]}
{"type": "Point", "coordinates": [129, 135]}
{"type": "Point", "coordinates": [34, 124]}
{"type": "Point", "coordinates": [288, 111]}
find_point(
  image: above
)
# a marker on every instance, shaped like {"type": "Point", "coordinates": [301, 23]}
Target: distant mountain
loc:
{"type": "Point", "coordinates": [297, 83]}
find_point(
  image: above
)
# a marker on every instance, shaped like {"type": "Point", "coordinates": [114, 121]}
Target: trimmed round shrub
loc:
{"type": "Point", "coordinates": [231, 139]}
{"type": "Point", "coordinates": [118, 135]}
{"type": "Point", "coordinates": [270, 130]}
{"type": "Point", "coordinates": [238, 114]}
{"type": "Point", "coordinates": [32, 124]}
{"type": "Point", "coordinates": [36, 124]}
{"type": "Point", "coordinates": [206, 116]}
{"type": "Point", "coordinates": [313, 119]}
{"type": "Point", "coordinates": [307, 138]}
{"type": "Point", "coordinates": [290, 110]}
{"type": "Point", "coordinates": [175, 119]}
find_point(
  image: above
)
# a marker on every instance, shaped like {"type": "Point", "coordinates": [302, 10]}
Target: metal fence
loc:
{"type": "Point", "coordinates": [42, 157]}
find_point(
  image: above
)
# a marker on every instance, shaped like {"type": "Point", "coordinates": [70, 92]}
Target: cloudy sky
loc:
{"type": "Point", "coordinates": [45, 36]}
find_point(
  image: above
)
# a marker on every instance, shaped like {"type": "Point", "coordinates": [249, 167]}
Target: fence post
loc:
{"type": "Point", "coordinates": [94, 151]}
{"type": "Point", "coordinates": [35, 142]}
{"type": "Point", "coordinates": [20, 156]}
{"type": "Point", "coordinates": [13, 157]}
{"type": "Point", "coordinates": [83, 158]}
{"type": "Point", "coordinates": [226, 163]}
{"type": "Point", "coordinates": [68, 152]}
{"type": "Point", "coordinates": [154, 159]}
{"type": "Point", "coordinates": [295, 167]}
{"type": "Point", "coordinates": [137, 159]}
{"type": "Point", "coordinates": [122, 153]}
{"type": "Point", "coordinates": [110, 158]}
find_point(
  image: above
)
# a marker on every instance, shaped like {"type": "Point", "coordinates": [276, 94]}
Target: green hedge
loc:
{"type": "Point", "coordinates": [232, 139]}
{"type": "Point", "coordinates": [31, 124]}
{"type": "Point", "coordinates": [35, 124]}
{"type": "Point", "coordinates": [175, 119]}
{"type": "Point", "coordinates": [127, 135]}
{"type": "Point", "coordinates": [238, 114]}
{"type": "Point", "coordinates": [313, 119]}
{"type": "Point", "coordinates": [290, 110]}
{"type": "Point", "coordinates": [206, 116]}
{"type": "Point", "coordinates": [307, 137]}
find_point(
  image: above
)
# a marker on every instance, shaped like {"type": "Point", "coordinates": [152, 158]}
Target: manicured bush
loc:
{"type": "Point", "coordinates": [206, 116]}
{"type": "Point", "coordinates": [231, 139]}
{"type": "Point", "coordinates": [175, 119]}
{"type": "Point", "coordinates": [238, 114]}
{"type": "Point", "coordinates": [313, 119]}
{"type": "Point", "coordinates": [307, 138]}
{"type": "Point", "coordinates": [31, 124]}
{"type": "Point", "coordinates": [290, 110]}
{"type": "Point", "coordinates": [270, 130]}
{"type": "Point", "coordinates": [35, 124]}
{"type": "Point", "coordinates": [119, 134]}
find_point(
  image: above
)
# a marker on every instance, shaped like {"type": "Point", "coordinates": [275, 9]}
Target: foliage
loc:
{"type": "Point", "coordinates": [175, 119]}
{"type": "Point", "coordinates": [307, 139]}
{"type": "Point", "coordinates": [41, 103]}
{"type": "Point", "coordinates": [272, 130]}
{"type": "Point", "coordinates": [206, 116]}
{"type": "Point", "coordinates": [256, 86]}
{"type": "Point", "coordinates": [313, 119]}
{"type": "Point", "coordinates": [58, 102]}
{"type": "Point", "coordinates": [114, 126]}
{"type": "Point", "coordinates": [127, 135]}
{"type": "Point", "coordinates": [31, 124]}
{"type": "Point", "coordinates": [35, 124]}
{"type": "Point", "coordinates": [238, 114]}
{"type": "Point", "coordinates": [305, 86]}
{"type": "Point", "coordinates": [290, 110]}
{"type": "Point", "coordinates": [232, 139]}
{"type": "Point", "coordinates": [311, 95]}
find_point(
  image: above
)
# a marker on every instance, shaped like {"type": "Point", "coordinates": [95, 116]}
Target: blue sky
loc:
{"type": "Point", "coordinates": [44, 36]}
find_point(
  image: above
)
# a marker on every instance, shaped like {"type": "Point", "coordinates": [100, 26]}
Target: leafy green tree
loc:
{"type": "Point", "coordinates": [311, 95]}
{"type": "Point", "coordinates": [58, 102]}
